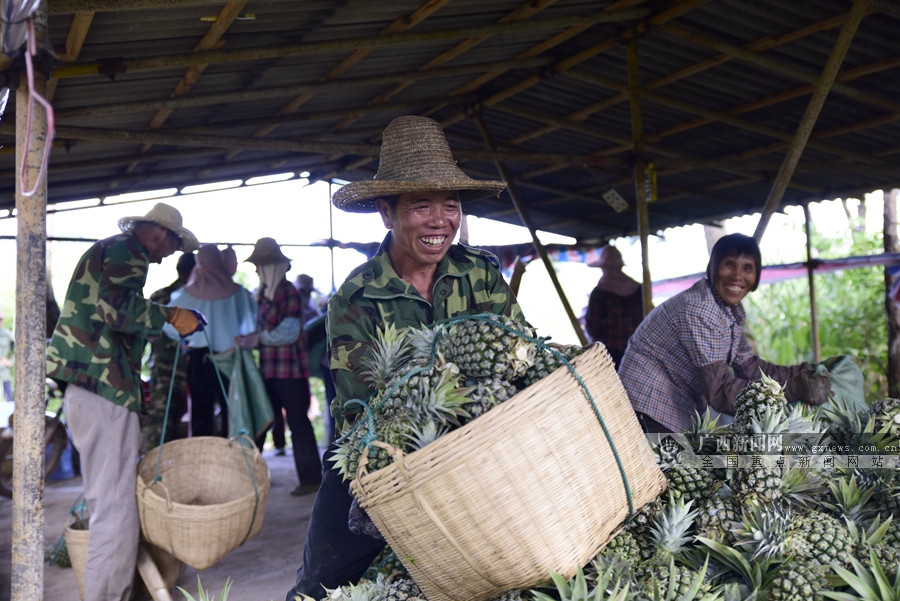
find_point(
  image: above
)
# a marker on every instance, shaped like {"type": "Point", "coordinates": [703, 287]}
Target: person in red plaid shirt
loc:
{"type": "Point", "coordinates": [283, 359]}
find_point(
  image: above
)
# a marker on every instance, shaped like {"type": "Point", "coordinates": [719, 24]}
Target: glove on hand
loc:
{"type": "Point", "coordinates": [186, 321]}
{"type": "Point", "coordinates": [808, 388]}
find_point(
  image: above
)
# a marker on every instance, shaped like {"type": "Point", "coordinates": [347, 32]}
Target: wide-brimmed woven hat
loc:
{"type": "Point", "coordinates": [168, 217]}
{"type": "Point", "coordinates": [265, 252]}
{"type": "Point", "coordinates": [415, 157]}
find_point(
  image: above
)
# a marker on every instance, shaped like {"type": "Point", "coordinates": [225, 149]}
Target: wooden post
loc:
{"type": "Point", "coordinates": [27, 573]}
{"type": "Point", "coordinates": [526, 221]}
{"type": "Point", "coordinates": [810, 269]}
{"type": "Point", "coordinates": [892, 244]}
{"type": "Point", "coordinates": [816, 101]}
{"type": "Point", "coordinates": [640, 170]}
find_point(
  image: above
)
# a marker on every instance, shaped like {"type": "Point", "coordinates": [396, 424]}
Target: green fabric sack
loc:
{"type": "Point", "coordinates": [249, 410]}
{"type": "Point", "coordinates": [846, 381]}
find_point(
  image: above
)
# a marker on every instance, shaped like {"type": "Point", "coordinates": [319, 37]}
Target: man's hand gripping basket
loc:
{"type": "Point", "coordinates": [538, 483]}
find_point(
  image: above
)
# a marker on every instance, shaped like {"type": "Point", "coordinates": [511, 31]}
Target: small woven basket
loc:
{"type": "Point", "coordinates": [531, 486]}
{"type": "Point", "coordinates": [209, 499]}
{"type": "Point", "coordinates": [151, 560]}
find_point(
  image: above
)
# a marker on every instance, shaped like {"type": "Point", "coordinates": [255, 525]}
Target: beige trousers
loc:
{"type": "Point", "coordinates": [108, 439]}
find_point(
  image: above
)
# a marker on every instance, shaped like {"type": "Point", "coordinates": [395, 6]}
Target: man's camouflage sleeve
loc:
{"type": "Point", "coordinates": [104, 323]}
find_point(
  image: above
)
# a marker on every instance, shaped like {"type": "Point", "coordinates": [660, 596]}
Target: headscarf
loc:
{"type": "Point", "coordinates": [270, 276]}
{"type": "Point", "coordinates": [210, 279]}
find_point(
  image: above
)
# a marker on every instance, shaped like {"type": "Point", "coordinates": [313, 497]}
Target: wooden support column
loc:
{"type": "Point", "coordinates": [810, 270]}
{"type": "Point", "coordinates": [891, 245]}
{"type": "Point", "coordinates": [27, 575]}
{"type": "Point", "coordinates": [640, 171]}
{"type": "Point", "coordinates": [816, 101]}
{"type": "Point", "coordinates": [526, 221]}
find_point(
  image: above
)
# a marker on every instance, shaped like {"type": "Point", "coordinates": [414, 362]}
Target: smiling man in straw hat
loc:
{"type": "Point", "coordinates": [417, 277]}
{"type": "Point", "coordinates": [97, 347]}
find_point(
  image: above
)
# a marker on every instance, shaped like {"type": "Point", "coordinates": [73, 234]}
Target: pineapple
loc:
{"type": "Point", "coordinates": [671, 533]}
{"type": "Point", "coordinates": [753, 401]}
{"type": "Point", "coordinates": [640, 526]}
{"type": "Point", "coordinates": [487, 345]}
{"type": "Point", "coordinates": [716, 515]}
{"type": "Point", "coordinates": [886, 413]}
{"type": "Point", "coordinates": [403, 589]}
{"type": "Point", "coordinates": [548, 359]}
{"type": "Point", "coordinates": [797, 581]}
{"type": "Point", "coordinates": [820, 538]}
{"type": "Point", "coordinates": [487, 393]}
{"type": "Point", "coordinates": [869, 584]}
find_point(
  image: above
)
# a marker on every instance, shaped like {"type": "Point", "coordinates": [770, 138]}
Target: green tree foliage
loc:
{"type": "Point", "coordinates": [849, 308]}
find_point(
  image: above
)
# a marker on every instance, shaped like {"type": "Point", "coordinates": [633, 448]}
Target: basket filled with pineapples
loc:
{"type": "Point", "coordinates": [489, 457]}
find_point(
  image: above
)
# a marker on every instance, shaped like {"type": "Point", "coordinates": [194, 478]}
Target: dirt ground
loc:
{"type": "Point", "coordinates": [262, 569]}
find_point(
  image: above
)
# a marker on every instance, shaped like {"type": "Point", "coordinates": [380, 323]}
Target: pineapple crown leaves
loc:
{"type": "Point", "coordinates": [764, 530]}
{"type": "Point", "coordinates": [756, 575]}
{"type": "Point", "coordinates": [870, 535]}
{"type": "Point", "coordinates": [692, 593]}
{"type": "Point", "coordinates": [869, 584]}
{"type": "Point", "coordinates": [670, 529]}
{"type": "Point", "coordinates": [205, 595]}
{"type": "Point", "coordinates": [364, 590]}
{"type": "Point", "coordinates": [391, 350]}
{"type": "Point", "coordinates": [849, 499]}
{"type": "Point", "coordinates": [577, 588]}
{"type": "Point", "coordinates": [428, 433]}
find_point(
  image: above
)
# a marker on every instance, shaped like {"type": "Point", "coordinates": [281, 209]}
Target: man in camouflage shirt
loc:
{"type": "Point", "coordinates": [97, 347]}
{"type": "Point", "coordinates": [418, 277]}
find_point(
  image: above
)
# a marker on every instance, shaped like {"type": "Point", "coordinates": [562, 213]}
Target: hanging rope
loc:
{"type": "Point", "coordinates": [242, 437]}
{"type": "Point", "coordinates": [33, 95]}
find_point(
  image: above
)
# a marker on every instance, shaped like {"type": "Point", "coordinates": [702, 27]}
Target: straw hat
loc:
{"type": "Point", "coordinates": [168, 217]}
{"type": "Point", "coordinates": [265, 252]}
{"type": "Point", "coordinates": [415, 157]}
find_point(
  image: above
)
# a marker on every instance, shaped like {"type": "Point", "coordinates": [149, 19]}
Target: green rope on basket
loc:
{"type": "Point", "coordinates": [490, 317]}
{"type": "Point", "coordinates": [58, 554]}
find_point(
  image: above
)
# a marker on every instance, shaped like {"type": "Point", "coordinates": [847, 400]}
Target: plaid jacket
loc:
{"type": "Point", "coordinates": [468, 281]}
{"type": "Point", "coordinates": [288, 361]}
{"type": "Point", "coordinates": [661, 369]}
{"type": "Point", "coordinates": [105, 322]}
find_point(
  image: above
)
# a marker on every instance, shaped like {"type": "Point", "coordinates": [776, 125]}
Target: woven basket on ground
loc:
{"type": "Point", "coordinates": [210, 497]}
{"type": "Point", "coordinates": [161, 569]}
{"type": "Point", "coordinates": [533, 485]}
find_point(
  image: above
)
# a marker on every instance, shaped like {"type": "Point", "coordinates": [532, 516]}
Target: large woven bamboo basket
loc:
{"type": "Point", "coordinates": [531, 486]}
{"type": "Point", "coordinates": [209, 499]}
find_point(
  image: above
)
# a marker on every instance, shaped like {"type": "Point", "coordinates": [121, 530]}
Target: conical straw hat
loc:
{"type": "Point", "coordinates": [415, 157]}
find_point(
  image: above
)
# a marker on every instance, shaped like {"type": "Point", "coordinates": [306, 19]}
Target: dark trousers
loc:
{"type": "Point", "coordinates": [651, 426]}
{"type": "Point", "coordinates": [332, 556]}
{"type": "Point", "coordinates": [206, 393]}
{"type": "Point", "coordinates": [293, 395]}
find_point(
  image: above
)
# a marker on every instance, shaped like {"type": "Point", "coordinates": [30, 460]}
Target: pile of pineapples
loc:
{"type": "Point", "coordinates": [432, 380]}
{"type": "Point", "coordinates": [764, 532]}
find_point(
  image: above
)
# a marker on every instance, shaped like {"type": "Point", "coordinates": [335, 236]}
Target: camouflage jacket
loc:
{"type": "Point", "coordinates": [105, 321]}
{"type": "Point", "coordinates": [468, 281]}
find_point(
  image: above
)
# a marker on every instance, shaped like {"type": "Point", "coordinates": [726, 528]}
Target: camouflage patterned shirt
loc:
{"type": "Point", "coordinates": [468, 281]}
{"type": "Point", "coordinates": [105, 321]}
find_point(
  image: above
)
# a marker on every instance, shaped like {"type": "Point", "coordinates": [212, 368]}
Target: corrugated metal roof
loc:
{"type": "Point", "coordinates": [167, 93]}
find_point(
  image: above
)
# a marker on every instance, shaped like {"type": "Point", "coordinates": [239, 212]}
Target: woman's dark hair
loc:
{"type": "Point", "coordinates": [733, 245]}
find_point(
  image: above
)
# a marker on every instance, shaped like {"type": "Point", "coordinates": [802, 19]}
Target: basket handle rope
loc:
{"type": "Point", "coordinates": [540, 343]}
{"type": "Point", "coordinates": [157, 477]}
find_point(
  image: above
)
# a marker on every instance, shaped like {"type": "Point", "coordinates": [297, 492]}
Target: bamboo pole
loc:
{"type": "Point", "coordinates": [640, 189]}
{"type": "Point", "coordinates": [810, 270]}
{"type": "Point", "coordinates": [527, 222]}
{"type": "Point", "coordinates": [27, 574]}
{"type": "Point", "coordinates": [824, 85]}
{"type": "Point", "coordinates": [892, 244]}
